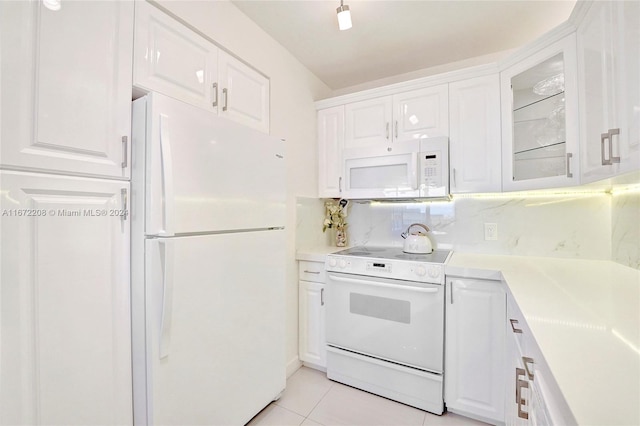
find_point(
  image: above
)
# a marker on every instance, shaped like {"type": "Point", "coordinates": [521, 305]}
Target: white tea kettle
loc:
{"type": "Point", "coordinates": [416, 243]}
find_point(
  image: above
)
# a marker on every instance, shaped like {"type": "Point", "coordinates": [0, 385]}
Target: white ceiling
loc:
{"type": "Point", "coordinates": [391, 37]}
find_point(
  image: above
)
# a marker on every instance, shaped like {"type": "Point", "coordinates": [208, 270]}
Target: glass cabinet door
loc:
{"type": "Point", "coordinates": [539, 136]}
{"type": "Point", "coordinates": [540, 119]}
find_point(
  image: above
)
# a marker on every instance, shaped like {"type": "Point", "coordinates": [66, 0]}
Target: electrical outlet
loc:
{"type": "Point", "coordinates": [490, 231]}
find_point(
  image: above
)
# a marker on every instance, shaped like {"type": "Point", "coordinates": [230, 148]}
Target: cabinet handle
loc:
{"type": "Point", "coordinates": [611, 133]}
{"type": "Point", "coordinates": [124, 196]}
{"type": "Point", "coordinates": [225, 95]}
{"type": "Point", "coordinates": [455, 185]}
{"type": "Point", "coordinates": [521, 384]}
{"type": "Point", "coordinates": [451, 294]}
{"type": "Point", "coordinates": [322, 297]}
{"type": "Point", "coordinates": [215, 95]}
{"type": "Point", "coordinates": [526, 361]}
{"type": "Point", "coordinates": [396, 129]}
{"type": "Point", "coordinates": [387, 130]}
{"type": "Point", "coordinates": [311, 272]}
{"type": "Point", "coordinates": [604, 137]}
{"type": "Point", "coordinates": [569, 174]}
{"type": "Point", "coordinates": [513, 327]}
{"type": "Point", "coordinates": [125, 152]}
{"type": "Point", "coordinates": [340, 184]}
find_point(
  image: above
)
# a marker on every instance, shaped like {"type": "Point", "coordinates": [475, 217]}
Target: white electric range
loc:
{"type": "Point", "coordinates": [385, 323]}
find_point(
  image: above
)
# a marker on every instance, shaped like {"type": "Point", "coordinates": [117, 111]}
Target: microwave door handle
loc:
{"type": "Point", "coordinates": [378, 284]}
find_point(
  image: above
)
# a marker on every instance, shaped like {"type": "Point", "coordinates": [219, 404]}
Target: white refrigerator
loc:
{"type": "Point", "coordinates": [208, 212]}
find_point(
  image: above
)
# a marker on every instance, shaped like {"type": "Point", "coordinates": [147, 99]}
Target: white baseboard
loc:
{"type": "Point", "coordinates": [293, 365]}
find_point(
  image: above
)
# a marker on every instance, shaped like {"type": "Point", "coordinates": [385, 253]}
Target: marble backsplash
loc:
{"type": "Point", "coordinates": [625, 229]}
{"type": "Point", "coordinates": [559, 227]}
{"type": "Point", "coordinates": [587, 226]}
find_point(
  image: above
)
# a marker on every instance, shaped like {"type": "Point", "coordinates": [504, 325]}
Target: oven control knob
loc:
{"type": "Point", "coordinates": [342, 263]}
{"type": "Point", "coordinates": [434, 272]}
{"type": "Point", "coordinates": [420, 271]}
{"type": "Point", "coordinates": [332, 262]}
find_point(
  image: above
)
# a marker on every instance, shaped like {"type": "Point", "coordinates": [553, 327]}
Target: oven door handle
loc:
{"type": "Point", "coordinates": [377, 284]}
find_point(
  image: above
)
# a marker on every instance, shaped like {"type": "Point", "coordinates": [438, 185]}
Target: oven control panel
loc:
{"type": "Point", "coordinates": [378, 266]}
{"type": "Point", "coordinates": [385, 268]}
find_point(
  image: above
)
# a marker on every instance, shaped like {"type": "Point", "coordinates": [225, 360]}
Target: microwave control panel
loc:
{"type": "Point", "coordinates": [431, 169]}
{"type": "Point", "coordinates": [434, 167]}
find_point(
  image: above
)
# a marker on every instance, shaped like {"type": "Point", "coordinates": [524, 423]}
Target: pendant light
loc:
{"type": "Point", "coordinates": [344, 17]}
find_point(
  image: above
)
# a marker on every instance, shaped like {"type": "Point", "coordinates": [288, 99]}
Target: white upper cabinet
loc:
{"type": "Point", "coordinates": [65, 334]}
{"type": "Point", "coordinates": [66, 87]}
{"type": "Point", "coordinates": [330, 143]}
{"type": "Point", "coordinates": [368, 123]}
{"type": "Point", "coordinates": [380, 122]}
{"type": "Point", "coordinates": [244, 93]}
{"type": "Point", "coordinates": [608, 70]}
{"type": "Point", "coordinates": [474, 115]}
{"type": "Point", "coordinates": [422, 113]}
{"type": "Point", "coordinates": [172, 59]}
{"type": "Point", "coordinates": [540, 119]}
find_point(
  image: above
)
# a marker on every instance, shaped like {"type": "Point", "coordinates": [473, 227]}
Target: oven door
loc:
{"type": "Point", "coordinates": [393, 320]}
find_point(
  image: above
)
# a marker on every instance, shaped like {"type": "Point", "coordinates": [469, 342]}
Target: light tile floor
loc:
{"type": "Point", "coordinates": [312, 399]}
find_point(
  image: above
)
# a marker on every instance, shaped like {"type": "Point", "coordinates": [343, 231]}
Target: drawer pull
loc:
{"type": "Point", "coordinates": [520, 384]}
{"type": "Point", "coordinates": [322, 297]}
{"type": "Point", "coordinates": [311, 272]}
{"type": "Point", "coordinates": [526, 360]}
{"type": "Point", "coordinates": [613, 132]}
{"type": "Point", "coordinates": [513, 327]}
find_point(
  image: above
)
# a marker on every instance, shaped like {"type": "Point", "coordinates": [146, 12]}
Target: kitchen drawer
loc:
{"type": "Point", "coordinates": [541, 396]}
{"type": "Point", "coordinates": [312, 271]}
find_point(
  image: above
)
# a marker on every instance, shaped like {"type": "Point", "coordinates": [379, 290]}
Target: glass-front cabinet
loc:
{"type": "Point", "coordinates": [540, 119]}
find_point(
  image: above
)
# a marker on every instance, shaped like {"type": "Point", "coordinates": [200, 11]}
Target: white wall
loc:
{"type": "Point", "coordinates": [293, 115]}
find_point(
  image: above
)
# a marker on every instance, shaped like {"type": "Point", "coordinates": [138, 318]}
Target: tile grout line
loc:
{"type": "Point", "coordinates": [319, 401]}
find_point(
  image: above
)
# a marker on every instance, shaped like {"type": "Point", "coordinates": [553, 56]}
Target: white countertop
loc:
{"type": "Point", "coordinates": [317, 254]}
{"type": "Point", "coordinates": [585, 317]}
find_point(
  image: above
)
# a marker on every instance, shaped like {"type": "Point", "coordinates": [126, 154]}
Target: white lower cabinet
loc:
{"type": "Point", "coordinates": [313, 343]}
{"type": "Point", "coordinates": [474, 348]}
{"type": "Point", "coordinates": [533, 397]}
{"type": "Point", "coordinates": [65, 332]}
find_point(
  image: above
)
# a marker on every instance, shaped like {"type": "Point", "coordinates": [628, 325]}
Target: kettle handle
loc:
{"type": "Point", "coordinates": [406, 233]}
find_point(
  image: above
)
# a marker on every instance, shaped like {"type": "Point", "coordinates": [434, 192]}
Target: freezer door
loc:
{"type": "Point", "coordinates": [205, 173]}
{"type": "Point", "coordinates": [215, 327]}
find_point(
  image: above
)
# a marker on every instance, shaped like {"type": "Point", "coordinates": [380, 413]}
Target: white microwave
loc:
{"type": "Point", "coordinates": [411, 169]}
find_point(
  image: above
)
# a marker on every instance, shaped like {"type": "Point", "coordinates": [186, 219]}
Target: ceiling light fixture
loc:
{"type": "Point", "coordinates": [344, 17]}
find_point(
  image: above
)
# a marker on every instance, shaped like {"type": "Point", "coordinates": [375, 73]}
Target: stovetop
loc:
{"type": "Point", "coordinates": [389, 262]}
{"type": "Point", "coordinates": [395, 253]}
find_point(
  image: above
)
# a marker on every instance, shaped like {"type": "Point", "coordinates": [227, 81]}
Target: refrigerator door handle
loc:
{"type": "Point", "coordinates": [167, 297]}
{"type": "Point", "coordinates": [167, 176]}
